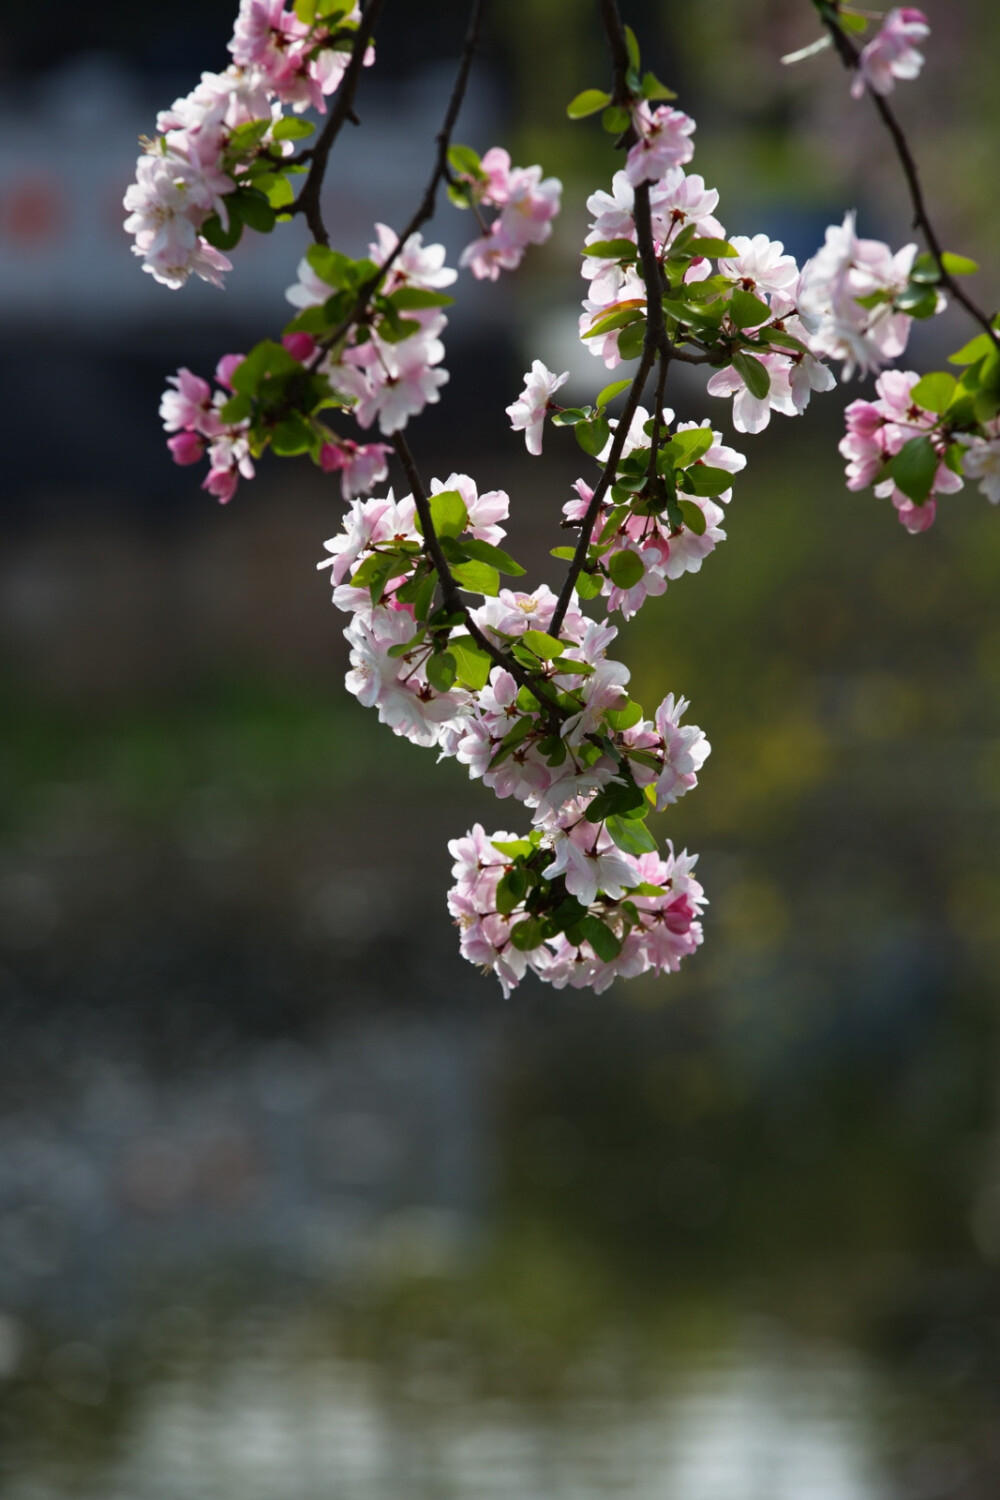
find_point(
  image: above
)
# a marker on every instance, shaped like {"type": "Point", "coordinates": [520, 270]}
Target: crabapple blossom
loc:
{"type": "Point", "coordinates": [527, 414]}
{"type": "Point", "coordinates": [892, 52]}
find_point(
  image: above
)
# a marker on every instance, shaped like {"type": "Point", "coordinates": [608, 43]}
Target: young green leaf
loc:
{"type": "Point", "coordinates": [626, 568]}
{"type": "Point", "coordinates": [914, 467]}
{"type": "Point", "coordinates": [609, 392]}
{"type": "Point", "coordinates": [441, 671]}
{"type": "Point", "coordinates": [472, 664]}
{"type": "Point", "coordinates": [755, 375]}
{"type": "Point", "coordinates": [958, 265]}
{"type": "Point", "coordinates": [544, 646]}
{"type": "Point", "coordinates": [631, 835]}
{"type": "Point", "coordinates": [477, 578]}
{"type": "Point", "coordinates": [587, 103]}
{"type": "Point", "coordinates": [495, 556]}
{"type": "Point", "coordinates": [601, 938]}
{"type": "Point", "coordinates": [746, 310]}
{"type": "Point", "coordinates": [934, 392]}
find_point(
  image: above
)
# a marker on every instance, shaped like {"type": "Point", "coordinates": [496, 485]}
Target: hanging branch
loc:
{"type": "Point", "coordinates": [851, 59]}
{"type": "Point", "coordinates": [307, 202]}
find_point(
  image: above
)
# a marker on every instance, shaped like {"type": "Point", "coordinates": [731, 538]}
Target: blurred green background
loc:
{"type": "Point", "coordinates": [291, 1202]}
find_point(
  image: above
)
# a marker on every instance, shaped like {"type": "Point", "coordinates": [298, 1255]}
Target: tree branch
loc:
{"type": "Point", "coordinates": [451, 596]}
{"type": "Point", "coordinates": [850, 57]}
{"type": "Point", "coordinates": [307, 202]}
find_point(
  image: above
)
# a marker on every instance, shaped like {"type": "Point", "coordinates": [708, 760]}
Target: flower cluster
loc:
{"type": "Point", "coordinates": [218, 159]}
{"type": "Point", "coordinates": [646, 917]}
{"type": "Point", "coordinates": [520, 687]}
{"type": "Point", "coordinates": [194, 413]}
{"type": "Point", "coordinates": [527, 205]}
{"type": "Point", "coordinates": [571, 746]}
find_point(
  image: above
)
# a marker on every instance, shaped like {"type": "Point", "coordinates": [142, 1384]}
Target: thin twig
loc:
{"type": "Point", "coordinates": [428, 202]}
{"type": "Point", "coordinates": [851, 58]}
{"type": "Point", "coordinates": [451, 596]}
{"type": "Point", "coordinates": [603, 485]}
{"type": "Point", "coordinates": [307, 202]}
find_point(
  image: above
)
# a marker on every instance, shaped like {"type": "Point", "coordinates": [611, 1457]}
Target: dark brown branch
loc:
{"type": "Point", "coordinates": [603, 485]}
{"type": "Point", "coordinates": [850, 57]}
{"type": "Point", "coordinates": [452, 598]}
{"type": "Point", "coordinates": [307, 202]}
{"type": "Point", "coordinates": [428, 202]}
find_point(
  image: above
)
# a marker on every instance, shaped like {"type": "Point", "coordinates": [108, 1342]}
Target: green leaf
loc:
{"type": "Point", "coordinates": [705, 480]}
{"type": "Point", "coordinates": [611, 391]}
{"type": "Point", "coordinates": [593, 436]}
{"type": "Point", "coordinates": [544, 646]}
{"type": "Point", "coordinates": [516, 848]}
{"type": "Point", "coordinates": [755, 375]}
{"type": "Point", "coordinates": [395, 329]}
{"type": "Point", "coordinates": [687, 447]}
{"type": "Point", "coordinates": [565, 554]}
{"type": "Point", "coordinates": [569, 416]}
{"type": "Point", "coordinates": [527, 934]}
{"type": "Point", "coordinates": [617, 800]}
{"type": "Point", "coordinates": [783, 340]}
{"type": "Point", "coordinates": [255, 210]}
{"type": "Point", "coordinates": [215, 233]}
{"type": "Point", "coordinates": [245, 137]}
{"type": "Point", "coordinates": [631, 835]}
{"type": "Point", "coordinates": [465, 162]}
{"type": "Point", "coordinates": [589, 585]}
{"type": "Point", "coordinates": [265, 361]}
{"type": "Point", "coordinates": [652, 88]}
{"type": "Point", "coordinates": [511, 890]}
{"type": "Point", "coordinates": [600, 938]}
{"type": "Point", "coordinates": [587, 103]}
{"type": "Point", "coordinates": [610, 321]}
{"type": "Point", "coordinates": [292, 435]}
{"type": "Point", "coordinates": [424, 596]}
{"type": "Point", "coordinates": [633, 48]}
{"type": "Point", "coordinates": [472, 664]}
{"type": "Point", "coordinates": [631, 340]}
{"type": "Point", "coordinates": [612, 249]}
{"type": "Point", "coordinates": [441, 671]}
{"type": "Point", "coordinates": [292, 128]}
{"type": "Point", "coordinates": [330, 265]}
{"type": "Point", "coordinates": [914, 467]}
{"type": "Point", "coordinates": [917, 300]}
{"type": "Point", "coordinates": [410, 297]}
{"type": "Point", "coordinates": [625, 569]}
{"type": "Point", "coordinates": [746, 310]}
{"type": "Point", "coordinates": [477, 578]}
{"type": "Point", "coordinates": [972, 351]}
{"type": "Point", "coordinates": [694, 516]}
{"type": "Point", "coordinates": [849, 21]}
{"type": "Point", "coordinates": [276, 188]}
{"type": "Point", "coordinates": [714, 248]}
{"type": "Point", "coordinates": [615, 120]}
{"type": "Point", "coordinates": [925, 269]}
{"type": "Point", "coordinates": [934, 392]}
{"type": "Point", "coordinates": [623, 718]}
{"type": "Point", "coordinates": [958, 265]}
{"type": "Point", "coordinates": [236, 409]}
{"type": "Point", "coordinates": [375, 573]}
{"type": "Point", "coordinates": [448, 513]}
{"type": "Point", "coordinates": [495, 556]}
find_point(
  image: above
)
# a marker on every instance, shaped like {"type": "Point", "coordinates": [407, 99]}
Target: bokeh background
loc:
{"type": "Point", "coordinates": [292, 1203]}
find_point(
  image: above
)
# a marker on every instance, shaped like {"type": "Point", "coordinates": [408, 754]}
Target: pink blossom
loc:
{"type": "Point", "coordinates": [361, 465]}
{"type": "Point", "coordinates": [664, 142]}
{"type": "Point", "coordinates": [892, 53]}
{"type": "Point", "coordinates": [527, 414]}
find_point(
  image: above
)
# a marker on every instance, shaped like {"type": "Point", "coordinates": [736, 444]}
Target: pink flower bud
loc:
{"type": "Point", "coordinates": [186, 447]}
{"type": "Point", "coordinates": [301, 346]}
